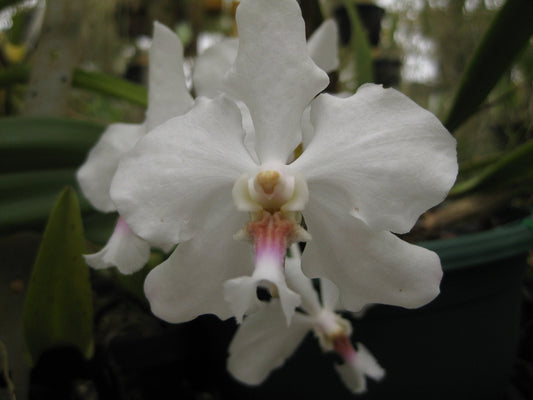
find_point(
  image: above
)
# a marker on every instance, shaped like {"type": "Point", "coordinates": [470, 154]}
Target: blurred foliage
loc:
{"type": "Point", "coordinates": [435, 40]}
{"type": "Point", "coordinates": [504, 118]}
{"type": "Point", "coordinates": [494, 56]}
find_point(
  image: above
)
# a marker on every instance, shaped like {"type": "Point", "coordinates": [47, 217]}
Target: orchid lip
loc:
{"type": "Point", "coordinates": [271, 235]}
{"type": "Point", "coordinates": [344, 348]}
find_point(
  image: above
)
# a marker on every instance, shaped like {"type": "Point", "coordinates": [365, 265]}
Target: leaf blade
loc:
{"type": "Point", "coordinates": [58, 309]}
{"type": "Point", "coordinates": [510, 169]}
{"type": "Point", "coordinates": [28, 143]}
{"type": "Point", "coordinates": [360, 46]}
{"type": "Point", "coordinates": [506, 37]}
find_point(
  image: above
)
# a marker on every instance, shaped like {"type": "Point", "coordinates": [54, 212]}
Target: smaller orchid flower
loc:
{"type": "Point", "coordinates": [263, 341]}
{"type": "Point", "coordinates": [167, 97]}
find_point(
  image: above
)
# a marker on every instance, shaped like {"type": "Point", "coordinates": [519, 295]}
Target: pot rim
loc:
{"type": "Point", "coordinates": [473, 249]}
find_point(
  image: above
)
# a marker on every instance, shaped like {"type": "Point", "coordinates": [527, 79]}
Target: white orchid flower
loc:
{"type": "Point", "coordinates": [167, 97]}
{"type": "Point", "coordinates": [263, 342]}
{"type": "Point", "coordinates": [375, 161]}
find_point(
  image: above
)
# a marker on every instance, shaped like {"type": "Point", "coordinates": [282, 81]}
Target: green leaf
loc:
{"type": "Point", "coordinates": [98, 82]}
{"type": "Point", "coordinates": [45, 143]}
{"type": "Point", "coordinates": [508, 170]}
{"type": "Point", "coordinates": [16, 185]}
{"type": "Point", "coordinates": [483, 247]}
{"type": "Point", "coordinates": [110, 85]}
{"type": "Point", "coordinates": [507, 36]}
{"type": "Point", "coordinates": [58, 309]}
{"type": "Point", "coordinates": [26, 197]}
{"type": "Point", "coordinates": [99, 227]}
{"type": "Point", "coordinates": [15, 74]}
{"type": "Point", "coordinates": [360, 46]}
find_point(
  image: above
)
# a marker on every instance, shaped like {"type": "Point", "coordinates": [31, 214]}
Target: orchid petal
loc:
{"type": "Point", "coordinates": [211, 67]}
{"type": "Point", "coordinates": [354, 372]}
{"type": "Point", "coordinates": [263, 342]}
{"type": "Point", "coordinates": [273, 73]}
{"type": "Point", "coordinates": [190, 282]}
{"type": "Point", "coordinates": [307, 128]}
{"type": "Point", "coordinates": [385, 157]}
{"type": "Point", "coordinates": [167, 93]}
{"type": "Point", "coordinates": [125, 250]}
{"type": "Point", "coordinates": [162, 187]}
{"type": "Point", "coordinates": [323, 46]}
{"type": "Point", "coordinates": [367, 266]}
{"type": "Point", "coordinates": [240, 292]}
{"type": "Point", "coordinates": [96, 174]}
{"type": "Point", "coordinates": [300, 283]}
{"type": "Point", "coordinates": [329, 294]}
{"type": "Point", "coordinates": [241, 295]}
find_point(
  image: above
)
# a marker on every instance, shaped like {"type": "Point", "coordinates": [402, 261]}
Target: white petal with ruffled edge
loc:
{"type": "Point", "coordinates": [190, 282]}
{"type": "Point", "coordinates": [163, 187]}
{"type": "Point", "coordinates": [124, 250]}
{"type": "Point", "coordinates": [167, 93]}
{"type": "Point", "coordinates": [367, 266]}
{"type": "Point", "coordinates": [273, 74]}
{"type": "Point", "coordinates": [380, 155]}
{"type": "Point", "coordinates": [212, 65]}
{"type": "Point", "coordinates": [323, 46]}
{"type": "Point", "coordinates": [354, 372]}
{"type": "Point", "coordinates": [263, 342]}
{"type": "Point", "coordinates": [96, 174]}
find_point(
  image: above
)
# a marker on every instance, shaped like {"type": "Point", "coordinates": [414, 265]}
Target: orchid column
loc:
{"type": "Point", "coordinates": [373, 163]}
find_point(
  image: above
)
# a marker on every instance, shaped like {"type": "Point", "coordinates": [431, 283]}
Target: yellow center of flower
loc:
{"type": "Point", "coordinates": [273, 188]}
{"type": "Point", "coordinates": [268, 180]}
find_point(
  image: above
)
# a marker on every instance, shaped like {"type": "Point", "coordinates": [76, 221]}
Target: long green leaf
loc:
{"type": "Point", "coordinates": [507, 36]}
{"type": "Point", "coordinates": [58, 309]}
{"type": "Point", "coordinates": [35, 143]}
{"type": "Point", "coordinates": [90, 80]}
{"type": "Point", "coordinates": [13, 75]}
{"type": "Point", "coordinates": [17, 185]}
{"type": "Point", "coordinates": [110, 85]}
{"type": "Point", "coordinates": [360, 46]}
{"type": "Point", "coordinates": [27, 197]}
{"type": "Point", "coordinates": [509, 169]}
{"type": "Point", "coordinates": [483, 247]}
